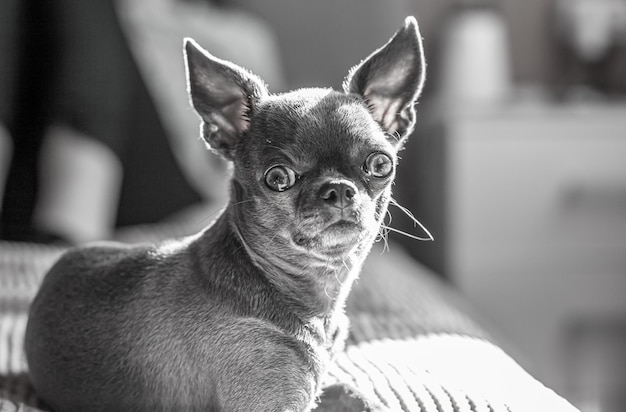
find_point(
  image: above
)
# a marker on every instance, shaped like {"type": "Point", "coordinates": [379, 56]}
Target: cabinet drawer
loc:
{"type": "Point", "coordinates": [538, 191]}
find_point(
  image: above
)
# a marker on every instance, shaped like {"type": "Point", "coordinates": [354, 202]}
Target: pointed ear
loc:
{"type": "Point", "coordinates": [223, 94]}
{"type": "Point", "coordinates": [390, 81]}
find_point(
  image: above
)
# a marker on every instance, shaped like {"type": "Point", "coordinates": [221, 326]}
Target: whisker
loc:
{"type": "Point", "coordinates": [336, 273]}
{"type": "Point", "coordinates": [326, 291]}
{"type": "Point", "coordinates": [202, 221]}
{"type": "Point", "coordinates": [416, 222]}
{"type": "Point", "coordinates": [408, 234]}
{"type": "Point", "coordinates": [383, 235]}
{"type": "Point", "coordinates": [390, 216]}
{"type": "Point", "coordinates": [386, 240]}
{"type": "Point", "coordinates": [383, 232]}
{"type": "Point", "coordinates": [268, 244]}
{"type": "Point", "coordinates": [241, 202]}
{"type": "Point", "coordinates": [345, 265]}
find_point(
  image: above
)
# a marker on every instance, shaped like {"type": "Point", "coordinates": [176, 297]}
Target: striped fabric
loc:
{"type": "Point", "coordinates": [415, 345]}
{"type": "Point", "coordinates": [445, 373]}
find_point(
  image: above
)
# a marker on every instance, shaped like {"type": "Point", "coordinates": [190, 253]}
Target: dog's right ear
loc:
{"type": "Point", "coordinates": [223, 94]}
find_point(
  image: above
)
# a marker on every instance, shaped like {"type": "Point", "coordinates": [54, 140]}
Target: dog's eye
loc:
{"type": "Point", "coordinates": [280, 178]}
{"type": "Point", "coordinates": [378, 165]}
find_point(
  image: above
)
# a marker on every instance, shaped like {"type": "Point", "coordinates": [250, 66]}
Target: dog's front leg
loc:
{"type": "Point", "coordinates": [341, 397]}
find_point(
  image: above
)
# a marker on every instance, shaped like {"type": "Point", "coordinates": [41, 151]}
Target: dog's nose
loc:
{"type": "Point", "coordinates": [338, 193]}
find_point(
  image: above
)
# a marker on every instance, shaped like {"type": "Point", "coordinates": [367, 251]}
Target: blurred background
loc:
{"type": "Point", "coordinates": [517, 166]}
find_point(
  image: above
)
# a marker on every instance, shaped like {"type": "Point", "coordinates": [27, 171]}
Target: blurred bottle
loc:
{"type": "Point", "coordinates": [476, 60]}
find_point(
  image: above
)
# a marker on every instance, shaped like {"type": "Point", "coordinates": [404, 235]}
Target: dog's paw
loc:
{"type": "Point", "coordinates": [343, 398]}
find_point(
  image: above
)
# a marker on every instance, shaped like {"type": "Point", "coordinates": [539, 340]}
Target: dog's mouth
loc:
{"type": "Point", "coordinates": [344, 225]}
{"type": "Point", "coordinates": [335, 241]}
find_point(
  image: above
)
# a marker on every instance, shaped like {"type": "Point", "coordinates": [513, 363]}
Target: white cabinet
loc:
{"type": "Point", "coordinates": [536, 217]}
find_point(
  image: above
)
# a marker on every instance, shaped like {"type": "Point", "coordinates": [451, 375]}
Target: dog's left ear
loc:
{"type": "Point", "coordinates": [390, 81]}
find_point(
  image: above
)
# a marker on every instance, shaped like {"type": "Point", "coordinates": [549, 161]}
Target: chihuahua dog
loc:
{"type": "Point", "coordinates": [246, 315]}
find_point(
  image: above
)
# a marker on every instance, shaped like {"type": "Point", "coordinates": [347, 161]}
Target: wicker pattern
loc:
{"type": "Point", "coordinates": [414, 343]}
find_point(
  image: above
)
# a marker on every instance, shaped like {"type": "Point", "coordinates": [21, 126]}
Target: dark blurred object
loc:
{"type": "Point", "coordinates": [592, 37]}
{"type": "Point", "coordinates": [421, 187]}
{"type": "Point", "coordinates": [25, 71]}
{"type": "Point", "coordinates": [68, 62]}
{"type": "Point", "coordinates": [9, 33]}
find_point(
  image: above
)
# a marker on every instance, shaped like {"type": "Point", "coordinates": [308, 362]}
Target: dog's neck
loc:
{"type": "Point", "coordinates": [310, 286]}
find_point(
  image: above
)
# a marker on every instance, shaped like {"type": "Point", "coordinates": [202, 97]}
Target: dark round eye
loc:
{"type": "Point", "coordinates": [280, 178]}
{"type": "Point", "coordinates": [378, 165]}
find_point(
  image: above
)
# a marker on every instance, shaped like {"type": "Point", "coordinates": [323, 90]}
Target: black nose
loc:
{"type": "Point", "coordinates": [338, 193]}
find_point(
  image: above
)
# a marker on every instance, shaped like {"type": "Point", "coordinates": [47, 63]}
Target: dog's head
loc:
{"type": "Point", "coordinates": [313, 168]}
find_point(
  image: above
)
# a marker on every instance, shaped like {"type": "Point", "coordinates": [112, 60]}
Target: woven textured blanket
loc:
{"type": "Point", "coordinates": [414, 344]}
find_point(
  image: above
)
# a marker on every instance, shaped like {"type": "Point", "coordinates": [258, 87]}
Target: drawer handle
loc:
{"type": "Point", "coordinates": [594, 196]}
